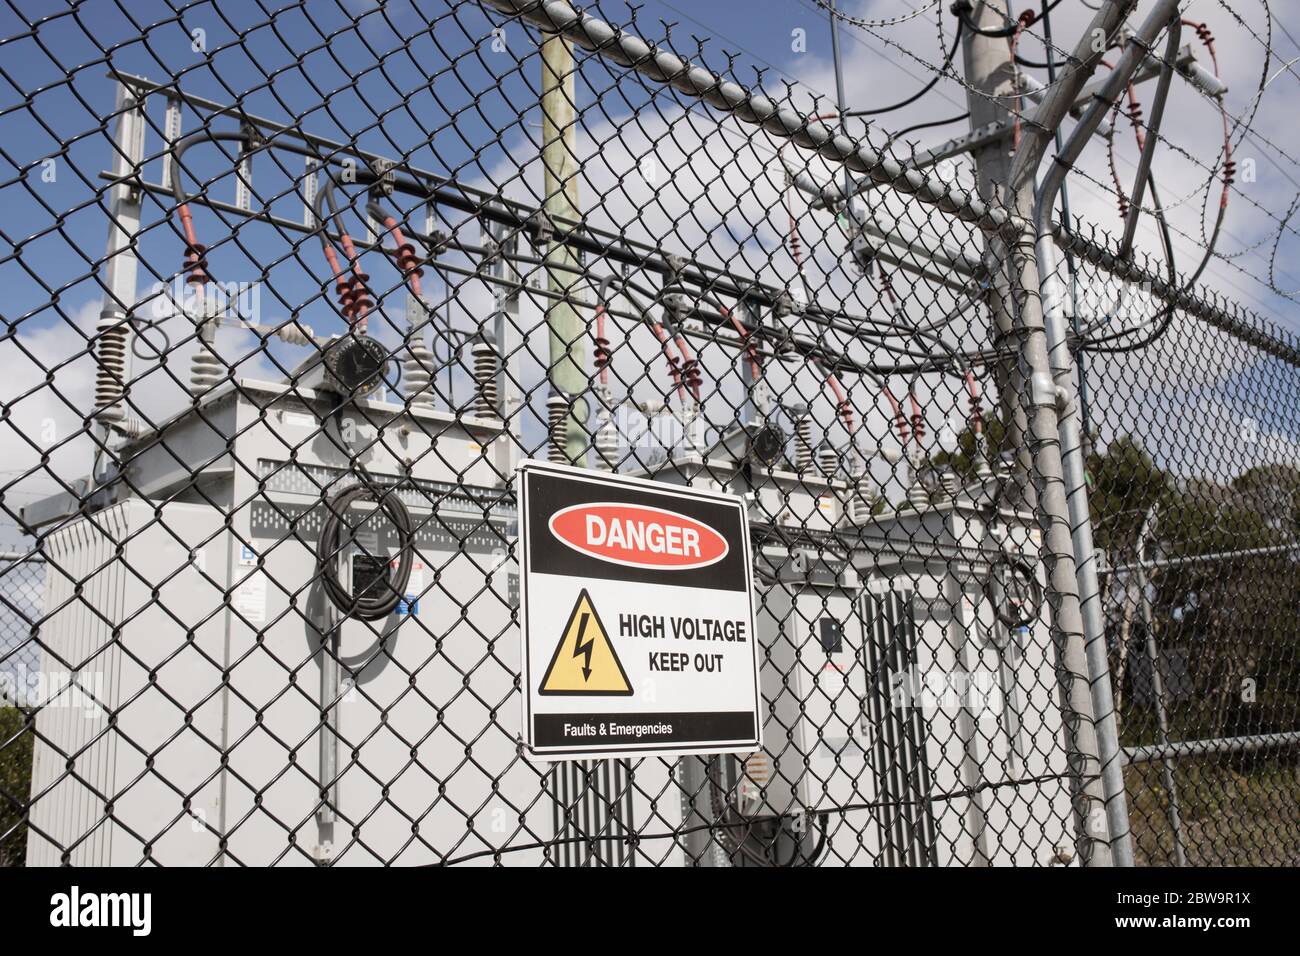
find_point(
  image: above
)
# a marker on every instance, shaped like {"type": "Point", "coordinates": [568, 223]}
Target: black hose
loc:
{"type": "Point", "coordinates": [196, 262]}
{"type": "Point", "coordinates": [1005, 610]}
{"type": "Point", "coordinates": [727, 819]}
{"type": "Point", "coordinates": [325, 197]}
{"type": "Point", "coordinates": [178, 150]}
{"type": "Point", "coordinates": [152, 325]}
{"type": "Point", "coordinates": [1165, 317]}
{"type": "Point", "coordinates": [939, 75]}
{"type": "Point", "coordinates": [368, 605]}
{"type": "Point", "coordinates": [929, 125]}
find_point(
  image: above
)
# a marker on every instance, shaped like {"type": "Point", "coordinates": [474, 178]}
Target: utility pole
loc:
{"type": "Point", "coordinates": [990, 71]}
{"type": "Point", "coordinates": [991, 76]}
{"type": "Point", "coordinates": [565, 329]}
{"type": "Point", "coordinates": [1057, 441]}
{"type": "Point", "coordinates": [839, 96]}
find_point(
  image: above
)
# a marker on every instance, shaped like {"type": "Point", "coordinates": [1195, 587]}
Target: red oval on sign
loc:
{"type": "Point", "coordinates": [639, 536]}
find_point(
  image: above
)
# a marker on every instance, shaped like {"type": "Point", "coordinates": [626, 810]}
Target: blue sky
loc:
{"type": "Point", "coordinates": [460, 107]}
{"type": "Point", "coordinates": [881, 66]}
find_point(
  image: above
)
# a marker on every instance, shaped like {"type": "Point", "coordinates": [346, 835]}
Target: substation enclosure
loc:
{"type": "Point", "coordinates": [956, 589]}
{"type": "Point", "coordinates": [846, 644]}
{"type": "Point", "coordinates": [303, 595]}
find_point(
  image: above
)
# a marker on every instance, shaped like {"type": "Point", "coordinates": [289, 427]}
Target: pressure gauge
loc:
{"type": "Point", "coordinates": [354, 365]}
{"type": "Point", "coordinates": [767, 444]}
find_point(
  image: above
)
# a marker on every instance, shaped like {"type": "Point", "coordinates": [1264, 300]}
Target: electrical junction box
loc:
{"type": "Point", "coordinates": [424, 738]}
{"type": "Point", "coordinates": [816, 734]}
{"type": "Point", "coordinates": [813, 682]}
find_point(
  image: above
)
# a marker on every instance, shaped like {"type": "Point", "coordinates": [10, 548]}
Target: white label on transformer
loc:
{"type": "Point", "coordinates": [299, 420]}
{"type": "Point", "coordinates": [416, 581]}
{"type": "Point", "coordinates": [250, 598]}
{"type": "Point", "coordinates": [637, 617]}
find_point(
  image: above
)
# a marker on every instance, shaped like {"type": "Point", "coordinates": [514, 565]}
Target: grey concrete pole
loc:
{"type": "Point", "coordinates": [565, 329]}
{"type": "Point", "coordinates": [990, 72]}
{"type": "Point", "coordinates": [1027, 400]}
{"type": "Point", "coordinates": [1027, 394]}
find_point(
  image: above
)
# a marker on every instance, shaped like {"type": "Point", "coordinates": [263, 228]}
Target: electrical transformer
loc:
{"type": "Point", "coordinates": [905, 668]}
{"type": "Point", "coordinates": [907, 672]}
{"type": "Point", "coordinates": [413, 718]}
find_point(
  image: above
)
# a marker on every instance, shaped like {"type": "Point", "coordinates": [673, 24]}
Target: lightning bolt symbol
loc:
{"type": "Point", "coordinates": [584, 648]}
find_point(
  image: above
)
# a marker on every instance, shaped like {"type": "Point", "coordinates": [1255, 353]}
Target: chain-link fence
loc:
{"type": "Point", "coordinates": [1193, 493]}
{"type": "Point", "coordinates": [358, 267]}
{"type": "Point", "coordinates": [23, 577]}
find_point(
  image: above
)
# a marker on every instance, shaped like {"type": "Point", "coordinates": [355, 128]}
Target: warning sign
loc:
{"type": "Point", "coordinates": [585, 662]}
{"type": "Point", "coordinates": [638, 617]}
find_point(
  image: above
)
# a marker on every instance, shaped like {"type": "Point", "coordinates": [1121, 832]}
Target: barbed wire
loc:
{"type": "Point", "coordinates": [886, 22]}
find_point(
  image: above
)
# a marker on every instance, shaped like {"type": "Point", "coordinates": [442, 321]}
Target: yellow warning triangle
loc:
{"type": "Point", "coordinates": [585, 661]}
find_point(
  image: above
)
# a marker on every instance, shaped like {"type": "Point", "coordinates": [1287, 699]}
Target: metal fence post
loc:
{"type": "Point", "coordinates": [1070, 526]}
{"type": "Point", "coordinates": [1085, 560]}
{"type": "Point", "coordinates": [1071, 445]}
{"type": "Point", "coordinates": [1158, 692]}
{"type": "Point", "coordinates": [1038, 398]}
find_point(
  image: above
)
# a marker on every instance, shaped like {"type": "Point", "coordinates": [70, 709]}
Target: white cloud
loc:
{"type": "Point", "coordinates": [713, 188]}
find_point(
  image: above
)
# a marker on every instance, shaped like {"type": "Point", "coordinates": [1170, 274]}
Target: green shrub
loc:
{"type": "Point", "coordinates": [15, 785]}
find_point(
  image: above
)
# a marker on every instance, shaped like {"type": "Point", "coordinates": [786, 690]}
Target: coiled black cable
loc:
{"type": "Point", "coordinates": [726, 819]}
{"type": "Point", "coordinates": [368, 605]}
{"type": "Point", "coordinates": [1004, 604]}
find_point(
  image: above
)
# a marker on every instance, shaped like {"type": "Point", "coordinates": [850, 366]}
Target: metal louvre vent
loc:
{"type": "Point", "coordinates": [593, 813]}
{"type": "Point", "coordinates": [906, 821]}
